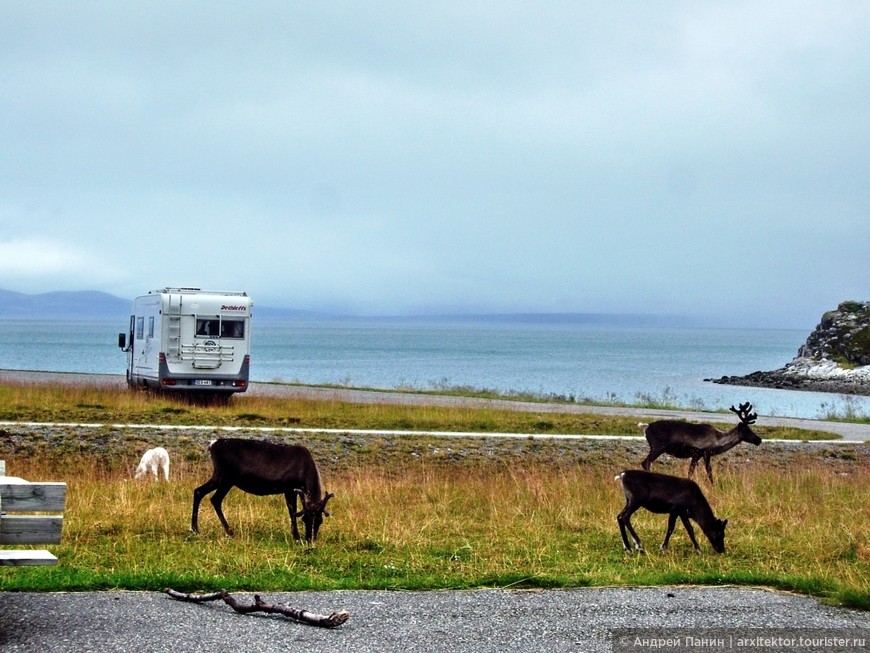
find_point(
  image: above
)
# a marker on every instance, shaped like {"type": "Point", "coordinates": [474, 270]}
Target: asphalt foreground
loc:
{"type": "Point", "coordinates": [474, 621]}
{"type": "Point", "coordinates": [670, 618]}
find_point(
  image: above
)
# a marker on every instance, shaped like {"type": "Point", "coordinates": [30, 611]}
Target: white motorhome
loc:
{"type": "Point", "coordinates": [189, 340]}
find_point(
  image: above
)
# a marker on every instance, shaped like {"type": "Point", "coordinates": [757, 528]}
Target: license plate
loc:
{"type": "Point", "coordinates": [202, 382]}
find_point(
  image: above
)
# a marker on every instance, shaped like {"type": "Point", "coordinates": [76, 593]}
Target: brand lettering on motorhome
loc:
{"type": "Point", "coordinates": [225, 307]}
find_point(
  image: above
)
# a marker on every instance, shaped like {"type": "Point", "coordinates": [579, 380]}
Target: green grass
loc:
{"type": "Point", "coordinates": [422, 512]}
{"type": "Point", "coordinates": [435, 523]}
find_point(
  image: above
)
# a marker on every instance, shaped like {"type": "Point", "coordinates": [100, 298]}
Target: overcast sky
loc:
{"type": "Point", "coordinates": [702, 158]}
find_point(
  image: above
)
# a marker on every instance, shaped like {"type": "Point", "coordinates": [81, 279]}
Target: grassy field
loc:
{"type": "Point", "coordinates": [423, 512]}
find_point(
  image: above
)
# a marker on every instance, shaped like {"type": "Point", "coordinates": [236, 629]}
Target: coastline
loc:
{"type": "Point", "coordinates": [809, 375]}
{"type": "Point", "coordinates": [848, 431]}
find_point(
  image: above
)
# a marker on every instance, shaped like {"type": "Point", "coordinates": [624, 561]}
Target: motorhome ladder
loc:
{"type": "Point", "coordinates": [173, 323]}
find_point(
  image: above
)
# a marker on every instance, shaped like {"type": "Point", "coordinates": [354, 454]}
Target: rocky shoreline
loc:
{"type": "Point", "coordinates": [835, 357]}
{"type": "Point", "coordinates": [809, 375]}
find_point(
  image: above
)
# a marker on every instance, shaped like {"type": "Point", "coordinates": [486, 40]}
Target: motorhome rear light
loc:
{"type": "Point", "coordinates": [168, 381]}
{"type": "Point", "coordinates": [239, 384]}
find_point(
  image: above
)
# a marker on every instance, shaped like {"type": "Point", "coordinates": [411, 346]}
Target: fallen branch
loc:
{"type": "Point", "coordinates": [296, 614]}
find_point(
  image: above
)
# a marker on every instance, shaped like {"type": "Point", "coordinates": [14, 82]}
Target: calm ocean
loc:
{"type": "Point", "coordinates": [580, 360]}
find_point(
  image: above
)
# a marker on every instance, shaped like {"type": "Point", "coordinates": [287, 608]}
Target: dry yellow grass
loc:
{"type": "Point", "coordinates": [430, 522]}
{"type": "Point", "coordinates": [416, 512]}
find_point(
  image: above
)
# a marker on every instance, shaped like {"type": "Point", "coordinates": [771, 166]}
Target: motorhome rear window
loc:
{"type": "Point", "coordinates": [208, 326]}
{"type": "Point", "coordinates": [213, 326]}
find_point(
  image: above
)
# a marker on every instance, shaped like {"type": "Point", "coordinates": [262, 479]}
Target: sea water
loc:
{"type": "Point", "coordinates": [547, 358]}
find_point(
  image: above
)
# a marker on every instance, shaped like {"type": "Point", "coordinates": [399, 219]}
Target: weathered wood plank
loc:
{"type": "Point", "coordinates": [20, 558]}
{"type": "Point", "coordinates": [30, 529]}
{"type": "Point", "coordinates": [19, 495]}
{"type": "Point", "coordinates": [32, 497]}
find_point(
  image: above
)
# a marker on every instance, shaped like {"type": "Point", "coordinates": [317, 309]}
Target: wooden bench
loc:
{"type": "Point", "coordinates": [20, 496]}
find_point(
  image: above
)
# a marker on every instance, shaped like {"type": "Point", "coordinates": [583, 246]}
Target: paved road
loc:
{"type": "Point", "coordinates": [475, 621]}
{"type": "Point", "coordinates": [847, 431]}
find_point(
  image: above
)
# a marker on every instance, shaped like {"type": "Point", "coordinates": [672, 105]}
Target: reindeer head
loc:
{"type": "Point", "coordinates": [747, 419]}
{"type": "Point", "coordinates": [312, 513]}
{"type": "Point", "coordinates": [717, 535]}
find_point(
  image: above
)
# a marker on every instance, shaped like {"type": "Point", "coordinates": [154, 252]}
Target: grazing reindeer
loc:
{"type": "Point", "coordinates": [153, 461]}
{"type": "Point", "coordinates": [679, 497]}
{"type": "Point", "coordinates": [696, 441]}
{"type": "Point", "coordinates": [264, 468]}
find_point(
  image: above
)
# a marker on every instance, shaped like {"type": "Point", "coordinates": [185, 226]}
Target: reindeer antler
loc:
{"type": "Point", "coordinates": [743, 413]}
{"type": "Point", "coordinates": [326, 498]}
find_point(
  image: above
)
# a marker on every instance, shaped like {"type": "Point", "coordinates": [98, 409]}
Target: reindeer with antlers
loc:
{"type": "Point", "coordinates": [696, 441]}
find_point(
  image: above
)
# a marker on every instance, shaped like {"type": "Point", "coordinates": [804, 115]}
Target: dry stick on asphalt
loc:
{"type": "Point", "coordinates": [302, 616]}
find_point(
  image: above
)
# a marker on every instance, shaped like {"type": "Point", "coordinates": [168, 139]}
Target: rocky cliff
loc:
{"type": "Point", "coordinates": [835, 357]}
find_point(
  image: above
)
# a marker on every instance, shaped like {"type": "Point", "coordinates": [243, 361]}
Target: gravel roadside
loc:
{"type": "Point", "coordinates": [475, 621]}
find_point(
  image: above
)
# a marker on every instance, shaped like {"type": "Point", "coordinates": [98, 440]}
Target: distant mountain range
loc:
{"type": "Point", "coordinates": [81, 304]}
{"type": "Point", "coordinates": [93, 304]}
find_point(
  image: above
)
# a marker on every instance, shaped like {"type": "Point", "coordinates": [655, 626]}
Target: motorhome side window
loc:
{"type": "Point", "coordinates": [233, 329]}
{"type": "Point", "coordinates": [151, 327]}
{"type": "Point", "coordinates": [140, 327]}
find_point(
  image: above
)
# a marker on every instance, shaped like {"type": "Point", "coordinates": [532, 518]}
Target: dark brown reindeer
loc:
{"type": "Point", "coordinates": [678, 497]}
{"type": "Point", "coordinates": [264, 468]}
{"type": "Point", "coordinates": [696, 441]}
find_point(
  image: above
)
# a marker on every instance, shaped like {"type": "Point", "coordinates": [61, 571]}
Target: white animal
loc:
{"type": "Point", "coordinates": [152, 461]}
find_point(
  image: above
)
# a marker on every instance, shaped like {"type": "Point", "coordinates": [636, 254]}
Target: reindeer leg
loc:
{"type": "Point", "coordinates": [198, 494]}
{"type": "Point", "coordinates": [693, 463]}
{"type": "Point", "coordinates": [650, 459]}
{"type": "Point", "coordinates": [672, 522]}
{"type": "Point", "coordinates": [625, 544]}
{"type": "Point", "coordinates": [290, 500]}
{"type": "Point", "coordinates": [216, 500]}
{"type": "Point", "coordinates": [690, 531]}
{"type": "Point", "coordinates": [624, 520]}
{"type": "Point", "coordinates": [708, 467]}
